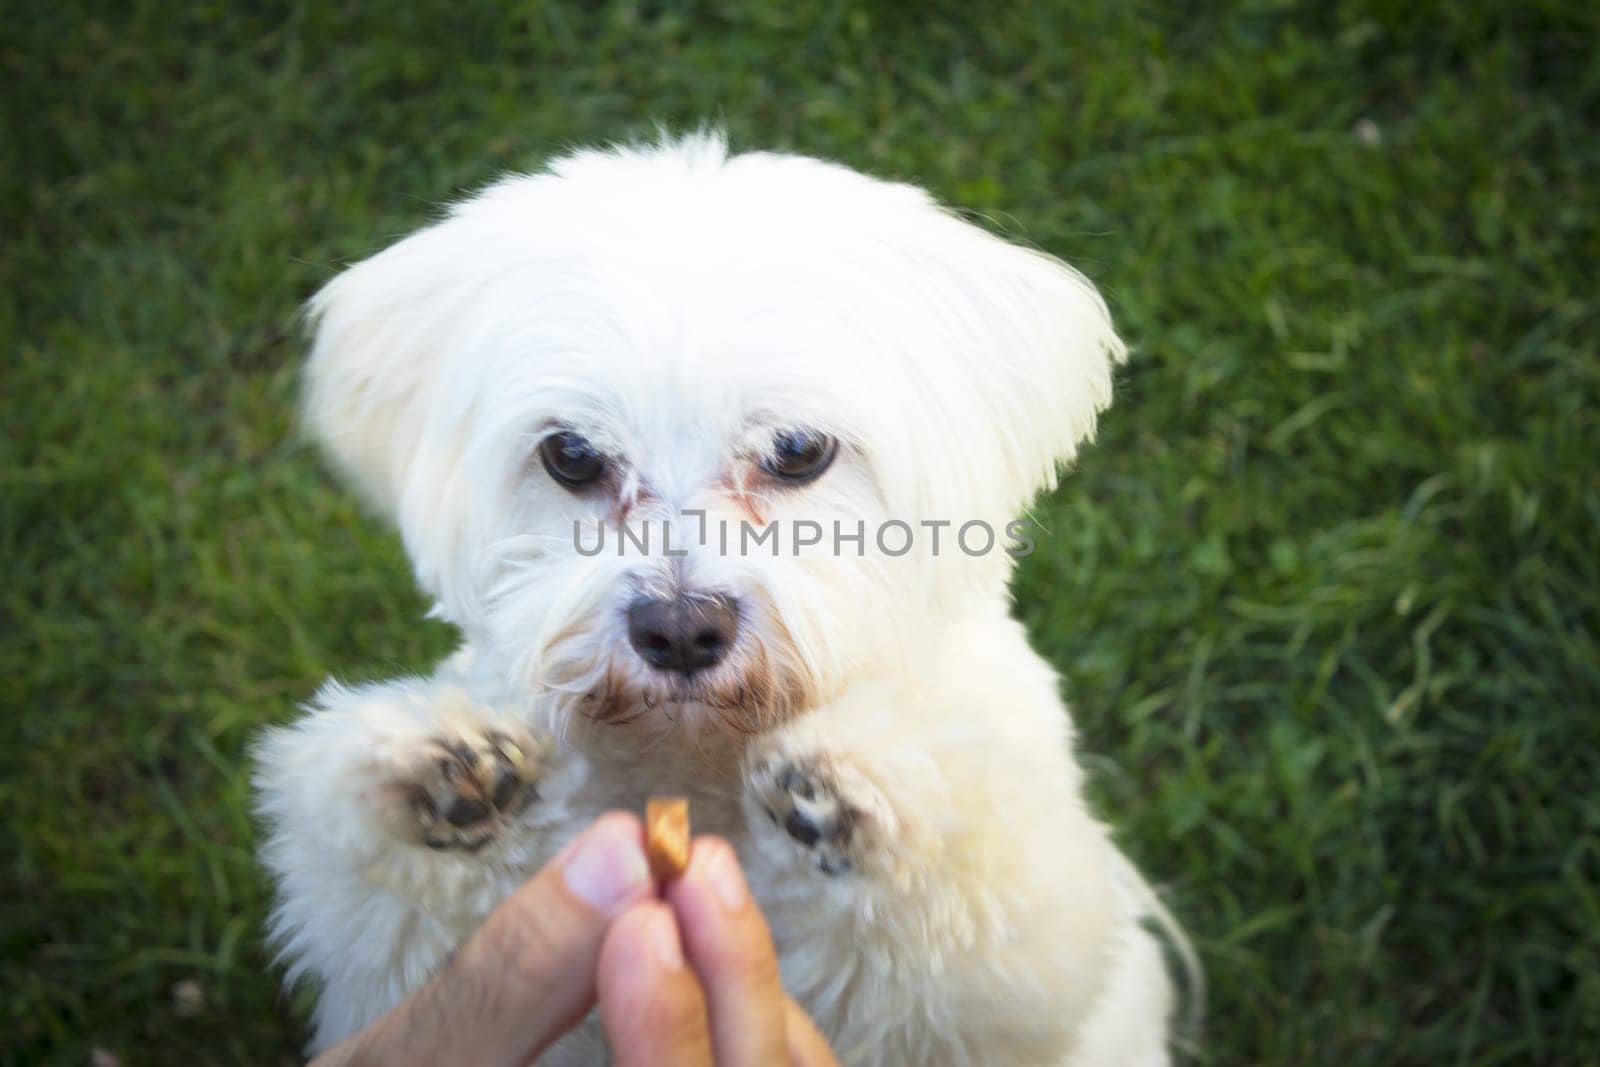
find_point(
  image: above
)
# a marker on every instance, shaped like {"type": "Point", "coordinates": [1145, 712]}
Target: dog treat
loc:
{"type": "Point", "coordinates": [666, 836]}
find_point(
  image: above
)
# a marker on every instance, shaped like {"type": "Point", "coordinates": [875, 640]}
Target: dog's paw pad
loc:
{"type": "Point", "coordinates": [463, 789]}
{"type": "Point", "coordinates": [806, 799]}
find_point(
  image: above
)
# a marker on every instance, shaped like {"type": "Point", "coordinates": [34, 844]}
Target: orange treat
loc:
{"type": "Point", "coordinates": [666, 836]}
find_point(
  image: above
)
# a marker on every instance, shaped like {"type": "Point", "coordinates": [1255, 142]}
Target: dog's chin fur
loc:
{"type": "Point", "coordinates": [747, 696]}
{"type": "Point", "coordinates": [949, 898]}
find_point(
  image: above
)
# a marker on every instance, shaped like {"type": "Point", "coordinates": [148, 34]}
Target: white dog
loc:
{"type": "Point", "coordinates": [673, 344]}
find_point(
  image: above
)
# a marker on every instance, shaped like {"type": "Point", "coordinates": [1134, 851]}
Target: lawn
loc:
{"type": "Point", "coordinates": [1326, 593]}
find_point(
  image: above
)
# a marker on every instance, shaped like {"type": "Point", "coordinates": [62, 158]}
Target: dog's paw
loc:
{"type": "Point", "coordinates": [461, 790]}
{"type": "Point", "coordinates": [821, 805]}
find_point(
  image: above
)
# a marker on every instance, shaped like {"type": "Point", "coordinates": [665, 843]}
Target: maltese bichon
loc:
{"type": "Point", "coordinates": [714, 460]}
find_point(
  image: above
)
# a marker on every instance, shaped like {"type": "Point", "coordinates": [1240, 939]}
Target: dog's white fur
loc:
{"type": "Point", "coordinates": [678, 305]}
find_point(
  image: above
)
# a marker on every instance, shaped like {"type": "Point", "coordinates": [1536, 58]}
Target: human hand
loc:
{"type": "Point", "coordinates": [692, 980]}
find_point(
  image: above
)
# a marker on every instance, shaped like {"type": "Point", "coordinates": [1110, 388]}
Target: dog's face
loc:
{"type": "Point", "coordinates": [606, 403]}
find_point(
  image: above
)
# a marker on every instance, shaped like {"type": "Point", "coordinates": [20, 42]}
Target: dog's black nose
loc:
{"type": "Point", "coordinates": [683, 634]}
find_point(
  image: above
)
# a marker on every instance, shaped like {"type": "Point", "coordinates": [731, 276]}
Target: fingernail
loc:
{"type": "Point", "coordinates": [607, 866]}
{"type": "Point", "coordinates": [720, 869]}
{"type": "Point", "coordinates": [662, 933]}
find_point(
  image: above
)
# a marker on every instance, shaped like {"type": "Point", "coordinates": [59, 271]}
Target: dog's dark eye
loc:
{"type": "Point", "coordinates": [571, 460]}
{"type": "Point", "coordinates": [800, 455]}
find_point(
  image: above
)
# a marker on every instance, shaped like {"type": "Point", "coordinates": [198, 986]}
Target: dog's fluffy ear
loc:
{"type": "Point", "coordinates": [1019, 361]}
{"type": "Point", "coordinates": [375, 345]}
{"type": "Point", "coordinates": [386, 396]}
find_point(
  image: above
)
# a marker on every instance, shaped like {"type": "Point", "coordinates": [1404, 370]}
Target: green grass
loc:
{"type": "Point", "coordinates": [1326, 594]}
